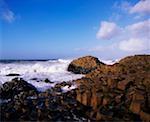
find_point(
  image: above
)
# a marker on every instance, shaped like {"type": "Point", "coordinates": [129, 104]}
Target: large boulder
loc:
{"type": "Point", "coordinates": [9, 89]}
{"type": "Point", "coordinates": [84, 65]}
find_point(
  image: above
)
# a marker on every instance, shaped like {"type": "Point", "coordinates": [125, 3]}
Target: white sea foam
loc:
{"type": "Point", "coordinates": [110, 62]}
{"type": "Point", "coordinates": [54, 70]}
{"type": "Point", "coordinates": [68, 88]}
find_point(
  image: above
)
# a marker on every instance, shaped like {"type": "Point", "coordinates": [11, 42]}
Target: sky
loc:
{"type": "Point", "coordinates": [50, 29]}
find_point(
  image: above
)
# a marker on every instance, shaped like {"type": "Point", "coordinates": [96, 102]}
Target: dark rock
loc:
{"type": "Point", "coordinates": [14, 87]}
{"type": "Point", "coordinates": [145, 116]}
{"type": "Point", "coordinates": [13, 74]}
{"type": "Point", "coordinates": [47, 81]}
{"type": "Point", "coordinates": [34, 79]}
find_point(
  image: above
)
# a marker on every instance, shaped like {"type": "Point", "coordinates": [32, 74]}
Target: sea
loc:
{"type": "Point", "coordinates": [36, 71]}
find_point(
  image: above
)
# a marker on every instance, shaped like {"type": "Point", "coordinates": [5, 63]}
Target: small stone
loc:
{"type": "Point", "coordinates": [13, 74]}
{"type": "Point", "coordinates": [47, 81]}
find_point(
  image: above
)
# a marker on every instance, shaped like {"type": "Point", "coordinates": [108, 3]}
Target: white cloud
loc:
{"type": "Point", "coordinates": [5, 13]}
{"type": "Point", "coordinates": [123, 5]}
{"type": "Point", "coordinates": [139, 37]}
{"type": "Point", "coordinates": [133, 44]}
{"type": "Point", "coordinates": [107, 30]}
{"type": "Point", "coordinates": [143, 6]}
{"type": "Point", "coordinates": [8, 16]}
{"type": "Point", "coordinates": [103, 48]}
{"type": "Point", "coordinates": [140, 29]}
{"type": "Point", "coordinates": [134, 37]}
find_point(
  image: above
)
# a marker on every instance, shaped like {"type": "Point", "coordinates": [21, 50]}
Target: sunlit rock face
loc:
{"type": "Point", "coordinates": [123, 87]}
{"type": "Point", "coordinates": [84, 65]}
{"type": "Point", "coordinates": [117, 92]}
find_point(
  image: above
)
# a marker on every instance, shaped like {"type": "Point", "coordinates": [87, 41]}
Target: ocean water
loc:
{"type": "Point", "coordinates": [36, 71]}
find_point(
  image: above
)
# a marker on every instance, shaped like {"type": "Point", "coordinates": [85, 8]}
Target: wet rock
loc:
{"type": "Point", "coordinates": [36, 79]}
{"type": "Point", "coordinates": [48, 81]}
{"type": "Point", "coordinates": [13, 74]}
{"type": "Point", "coordinates": [14, 87]}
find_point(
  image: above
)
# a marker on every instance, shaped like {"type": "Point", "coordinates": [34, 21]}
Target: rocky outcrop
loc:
{"type": "Point", "coordinates": [9, 89]}
{"type": "Point", "coordinates": [118, 92]}
{"type": "Point", "coordinates": [23, 103]}
{"type": "Point", "coordinates": [84, 65]}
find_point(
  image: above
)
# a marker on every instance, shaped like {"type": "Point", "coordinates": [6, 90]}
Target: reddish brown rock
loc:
{"type": "Point", "coordinates": [94, 101]}
{"type": "Point", "coordinates": [79, 96]}
{"type": "Point", "coordinates": [84, 65]}
{"type": "Point", "coordinates": [84, 98]}
{"type": "Point", "coordinates": [123, 84]}
{"type": "Point", "coordinates": [133, 64]}
{"type": "Point", "coordinates": [135, 107]}
{"type": "Point", "coordinates": [137, 101]}
{"type": "Point", "coordinates": [145, 116]}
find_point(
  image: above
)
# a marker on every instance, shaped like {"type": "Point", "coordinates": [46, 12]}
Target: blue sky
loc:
{"type": "Point", "coordinates": [35, 29]}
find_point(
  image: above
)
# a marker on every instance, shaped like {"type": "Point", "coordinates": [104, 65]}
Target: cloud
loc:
{"type": "Point", "coordinates": [123, 5]}
{"type": "Point", "coordinates": [138, 11]}
{"type": "Point", "coordinates": [143, 7]}
{"type": "Point", "coordinates": [107, 30]}
{"type": "Point", "coordinates": [99, 48]}
{"type": "Point", "coordinates": [128, 39]}
{"type": "Point", "coordinates": [138, 37]}
{"type": "Point", "coordinates": [8, 16]}
{"type": "Point", "coordinates": [140, 28]}
{"type": "Point", "coordinates": [133, 44]}
{"type": "Point", "coordinates": [134, 37]}
{"type": "Point", "coordinates": [102, 48]}
{"type": "Point", "coordinates": [5, 13]}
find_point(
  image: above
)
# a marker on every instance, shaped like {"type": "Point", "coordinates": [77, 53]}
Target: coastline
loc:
{"type": "Point", "coordinates": [106, 93]}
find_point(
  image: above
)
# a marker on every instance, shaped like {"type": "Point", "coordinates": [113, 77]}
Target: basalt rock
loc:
{"type": "Point", "coordinates": [48, 81]}
{"type": "Point", "coordinates": [13, 74]}
{"type": "Point", "coordinates": [9, 89]}
{"type": "Point", "coordinates": [84, 65]}
{"type": "Point", "coordinates": [45, 106]}
{"type": "Point", "coordinates": [119, 92]}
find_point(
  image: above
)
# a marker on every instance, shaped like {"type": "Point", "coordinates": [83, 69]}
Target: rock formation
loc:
{"type": "Point", "coordinates": [119, 92]}
{"type": "Point", "coordinates": [84, 65]}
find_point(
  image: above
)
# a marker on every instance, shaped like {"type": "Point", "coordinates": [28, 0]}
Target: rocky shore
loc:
{"type": "Point", "coordinates": [118, 92]}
